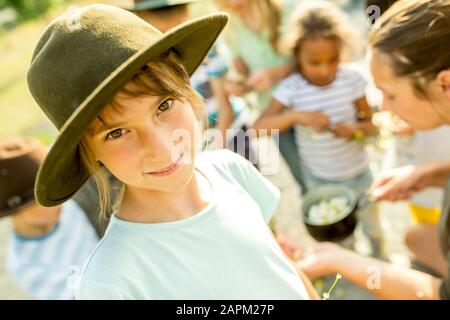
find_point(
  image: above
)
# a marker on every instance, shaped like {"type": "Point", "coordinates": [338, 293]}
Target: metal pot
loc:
{"type": "Point", "coordinates": [337, 230]}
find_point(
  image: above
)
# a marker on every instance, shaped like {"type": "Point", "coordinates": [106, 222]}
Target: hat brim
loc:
{"type": "Point", "coordinates": [62, 173]}
{"type": "Point", "coordinates": [150, 5]}
{"type": "Point", "coordinates": [28, 203]}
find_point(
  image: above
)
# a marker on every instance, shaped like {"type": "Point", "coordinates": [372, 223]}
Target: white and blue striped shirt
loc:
{"type": "Point", "coordinates": [44, 265]}
{"type": "Point", "coordinates": [325, 155]}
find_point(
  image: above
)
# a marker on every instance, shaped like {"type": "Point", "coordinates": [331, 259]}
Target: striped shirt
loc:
{"type": "Point", "coordinates": [44, 265]}
{"type": "Point", "coordinates": [325, 155]}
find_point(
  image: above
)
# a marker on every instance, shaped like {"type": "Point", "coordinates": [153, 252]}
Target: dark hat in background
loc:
{"type": "Point", "coordinates": [20, 159]}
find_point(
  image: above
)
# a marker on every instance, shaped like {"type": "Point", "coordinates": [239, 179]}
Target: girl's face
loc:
{"type": "Point", "coordinates": [319, 59]}
{"type": "Point", "coordinates": [400, 98]}
{"type": "Point", "coordinates": [150, 144]}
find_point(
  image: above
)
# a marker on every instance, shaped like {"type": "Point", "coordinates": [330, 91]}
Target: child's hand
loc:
{"type": "Point", "coordinates": [236, 88]}
{"type": "Point", "coordinates": [287, 245]}
{"type": "Point", "coordinates": [260, 80]}
{"type": "Point", "coordinates": [316, 119]}
{"type": "Point", "coordinates": [344, 131]}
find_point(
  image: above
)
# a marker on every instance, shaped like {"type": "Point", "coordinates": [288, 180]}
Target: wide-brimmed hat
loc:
{"type": "Point", "coordinates": [142, 5]}
{"type": "Point", "coordinates": [20, 159]}
{"type": "Point", "coordinates": [82, 60]}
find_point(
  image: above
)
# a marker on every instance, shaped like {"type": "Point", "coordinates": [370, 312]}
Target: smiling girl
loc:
{"type": "Point", "coordinates": [189, 225]}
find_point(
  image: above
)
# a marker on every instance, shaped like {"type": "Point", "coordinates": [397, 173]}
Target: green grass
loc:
{"type": "Point", "coordinates": [19, 113]}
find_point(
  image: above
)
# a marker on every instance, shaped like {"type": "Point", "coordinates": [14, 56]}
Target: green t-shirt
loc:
{"type": "Point", "coordinates": [226, 251]}
{"type": "Point", "coordinates": [255, 48]}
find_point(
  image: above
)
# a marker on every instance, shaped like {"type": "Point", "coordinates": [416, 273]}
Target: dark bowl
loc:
{"type": "Point", "coordinates": [337, 230]}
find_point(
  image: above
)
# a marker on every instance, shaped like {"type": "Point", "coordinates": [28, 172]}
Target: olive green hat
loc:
{"type": "Point", "coordinates": [82, 60]}
{"type": "Point", "coordinates": [142, 5]}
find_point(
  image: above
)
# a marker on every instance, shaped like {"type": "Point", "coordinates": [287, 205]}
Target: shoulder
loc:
{"type": "Point", "coordinates": [295, 79]}
{"type": "Point", "coordinates": [109, 257]}
{"type": "Point", "coordinates": [350, 71]}
{"type": "Point", "coordinates": [71, 206]}
{"type": "Point", "coordinates": [221, 159]}
{"type": "Point", "coordinates": [228, 165]}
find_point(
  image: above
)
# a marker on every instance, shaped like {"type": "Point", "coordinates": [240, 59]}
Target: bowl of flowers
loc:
{"type": "Point", "coordinates": [329, 212]}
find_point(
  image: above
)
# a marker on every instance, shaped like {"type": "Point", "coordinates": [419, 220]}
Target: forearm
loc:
{"type": "Point", "coordinates": [280, 72]}
{"type": "Point", "coordinates": [224, 122]}
{"type": "Point", "coordinates": [225, 112]}
{"type": "Point", "coordinates": [385, 280]}
{"type": "Point", "coordinates": [280, 121]}
{"type": "Point", "coordinates": [437, 173]}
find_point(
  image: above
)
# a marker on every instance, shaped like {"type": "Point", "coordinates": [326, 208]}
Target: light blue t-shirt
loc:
{"type": "Point", "coordinates": [226, 251]}
{"type": "Point", "coordinates": [45, 265]}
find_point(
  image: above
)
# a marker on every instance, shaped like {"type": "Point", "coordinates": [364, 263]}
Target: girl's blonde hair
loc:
{"type": "Point", "coordinates": [267, 12]}
{"type": "Point", "coordinates": [321, 19]}
{"type": "Point", "coordinates": [416, 36]}
{"type": "Point", "coordinates": [164, 76]}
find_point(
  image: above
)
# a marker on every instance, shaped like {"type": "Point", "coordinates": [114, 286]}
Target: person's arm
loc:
{"type": "Point", "coordinates": [382, 279]}
{"type": "Point", "coordinates": [225, 114]}
{"type": "Point", "coordinates": [277, 117]}
{"type": "Point", "coordinates": [312, 293]}
{"type": "Point", "coordinates": [240, 67]}
{"type": "Point", "coordinates": [402, 183]}
{"type": "Point", "coordinates": [265, 78]}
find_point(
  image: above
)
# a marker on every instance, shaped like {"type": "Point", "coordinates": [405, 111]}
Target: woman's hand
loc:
{"type": "Point", "coordinates": [321, 259]}
{"type": "Point", "coordinates": [400, 183]}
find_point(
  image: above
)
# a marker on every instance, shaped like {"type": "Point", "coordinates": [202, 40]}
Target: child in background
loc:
{"type": "Point", "coordinates": [49, 245]}
{"type": "Point", "coordinates": [189, 225]}
{"type": "Point", "coordinates": [223, 112]}
{"type": "Point", "coordinates": [256, 26]}
{"type": "Point", "coordinates": [255, 30]}
{"type": "Point", "coordinates": [325, 102]}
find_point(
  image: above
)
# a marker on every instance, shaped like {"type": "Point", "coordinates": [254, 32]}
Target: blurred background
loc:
{"type": "Point", "coordinates": [21, 24]}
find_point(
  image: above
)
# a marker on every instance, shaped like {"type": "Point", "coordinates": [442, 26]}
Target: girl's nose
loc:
{"type": "Point", "coordinates": [155, 143]}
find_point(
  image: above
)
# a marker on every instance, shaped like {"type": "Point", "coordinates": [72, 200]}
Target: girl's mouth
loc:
{"type": "Point", "coordinates": [169, 170]}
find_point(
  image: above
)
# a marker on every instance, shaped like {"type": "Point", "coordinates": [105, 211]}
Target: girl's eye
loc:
{"type": "Point", "coordinates": [166, 105]}
{"type": "Point", "coordinates": [117, 133]}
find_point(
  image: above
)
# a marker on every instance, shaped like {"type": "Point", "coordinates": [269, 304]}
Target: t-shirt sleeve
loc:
{"type": "Point", "coordinates": [265, 194]}
{"type": "Point", "coordinates": [283, 93]}
{"type": "Point", "coordinates": [96, 290]}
